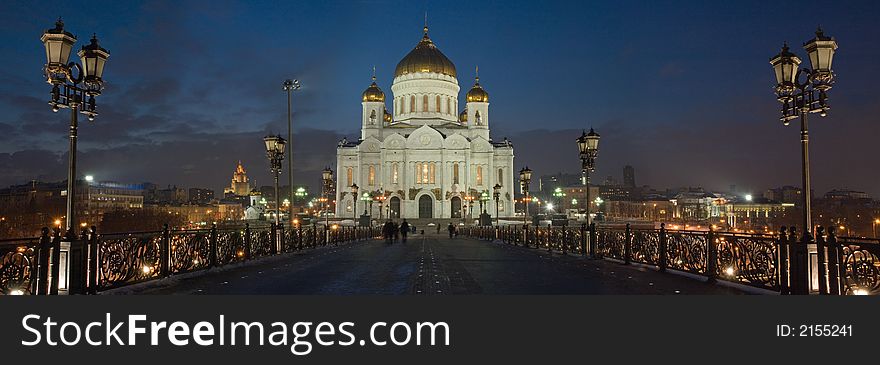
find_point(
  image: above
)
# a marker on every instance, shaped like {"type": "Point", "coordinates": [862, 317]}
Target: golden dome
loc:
{"type": "Point", "coordinates": [462, 117]}
{"type": "Point", "coordinates": [425, 58]}
{"type": "Point", "coordinates": [373, 93]}
{"type": "Point", "coordinates": [387, 117]}
{"type": "Point", "coordinates": [477, 94]}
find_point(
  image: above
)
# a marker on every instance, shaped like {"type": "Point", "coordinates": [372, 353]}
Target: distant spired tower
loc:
{"type": "Point", "coordinates": [240, 185]}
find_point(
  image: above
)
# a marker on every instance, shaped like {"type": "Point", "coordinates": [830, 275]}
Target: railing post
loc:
{"type": "Point", "coordinates": [711, 257]}
{"type": "Point", "coordinates": [212, 244]}
{"type": "Point", "coordinates": [526, 241]}
{"type": "Point", "coordinates": [627, 245]}
{"type": "Point", "coordinates": [42, 282]}
{"type": "Point", "coordinates": [821, 264]}
{"type": "Point", "coordinates": [584, 239]}
{"type": "Point", "coordinates": [273, 241]}
{"type": "Point", "coordinates": [783, 271]}
{"type": "Point", "coordinates": [165, 252]}
{"type": "Point", "coordinates": [662, 242]}
{"type": "Point", "coordinates": [55, 265]}
{"type": "Point", "coordinates": [548, 238]}
{"type": "Point", "coordinates": [93, 261]}
{"type": "Point", "coordinates": [247, 241]}
{"type": "Point", "coordinates": [834, 275]}
{"type": "Point", "coordinates": [594, 241]}
{"type": "Point", "coordinates": [798, 266]}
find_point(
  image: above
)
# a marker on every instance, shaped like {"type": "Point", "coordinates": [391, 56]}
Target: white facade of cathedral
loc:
{"type": "Point", "coordinates": [423, 156]}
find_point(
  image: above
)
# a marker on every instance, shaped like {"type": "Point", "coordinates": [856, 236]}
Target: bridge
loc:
{"type": "Point", "coordinates": [479, 260]}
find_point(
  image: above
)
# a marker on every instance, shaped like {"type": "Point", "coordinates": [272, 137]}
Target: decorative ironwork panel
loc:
{"type": "Point", "coordinates": [230, 246]}
{"type": "Point", "coordinates": [261, 243]}
{"type": "Point", "coordinates": [18, 266]}
{"type": "Point", "coordinates": [612, 243]}
{"type": "Point", "coordinates": [860, 265]}
{"type": "Point", "coordinates": [190, 250]}
{"type": "Point", "coordinates": [128, 259]}
{"type": "Point", "coordinates": [646, 246]}
{"type": "Point", "coordinates": [748, 259]}
{"type": "Point", "coordinates": [687, 251]}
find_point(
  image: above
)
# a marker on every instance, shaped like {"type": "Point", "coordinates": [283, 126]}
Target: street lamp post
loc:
{"type": "Point", "coordinates": [525, 177]}
{"type": "Point", "coordinates": [484, 197]}
{"type": "Point", "coordinates": [354, 193]}
{"type": "Point", "coordinates": [588, 148]}
{"type": "Point", "coordinates": [327, 177]}
{"type": "Point", "coordinates": [289, 86]}
{"type": "Point", "coordinates": [801, 98]}
{"type": "Point", "coordinates": [496, 193]}
{"type": "Point", "coordinates": [275, 154]}
{"type": "Point", "coordinates": [69, 90]}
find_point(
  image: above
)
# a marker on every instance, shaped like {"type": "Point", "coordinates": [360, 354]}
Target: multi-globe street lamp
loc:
{"type": "Point", "coordinates": [801, 98]}
{"type": "Point", "coordinates": [558, 194]}
{"type": "Point", "coordinates": [275, 154]}
{"type": "Point", "coordinates": [354, 194]}
{"type": "Point", "coordinates": [470, 205]}
{"type": "Point", "coordinates": [588, 149]}
{"type": "Point", "coordinates": [71, 84]}
{"type": "Point", "coordinates": [525, 177]}
{"type": "Point", "coordinates": [368, 200]}
{"type": "Point", "coordinates": [496, 193]}
{"type": "Point", "coordinates": [289, 86]}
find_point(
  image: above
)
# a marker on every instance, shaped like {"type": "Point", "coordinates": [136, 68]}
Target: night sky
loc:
{"type": "Point", "coordinates": [680, 90]}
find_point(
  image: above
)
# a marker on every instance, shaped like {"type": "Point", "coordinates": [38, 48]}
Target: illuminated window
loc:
{"type": "Point", "coordinates": [425, 103]}
{"type": "Point", "coordinates": [479, 175]}
{"type": "Point", "coordinates": [412, 104]}
{"type": "Point", "coordinates": [455, 173]}
{"type": "Point", "coordinates": [372, 177]}
{"type": "Point", "coordinates": [348, 175]}
{"type": "Point", "coordinates": [433, 173]}
{"type": "Point", "coordinates": [438, 103]}
{"type": "Point", "coordinates": [394, 173]}
{"type": "Point", "coordinates": [418, 173]}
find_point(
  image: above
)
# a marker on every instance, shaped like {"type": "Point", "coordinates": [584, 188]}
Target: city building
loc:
{"type": "Point", "coordinates": [240, 185]}
{"type": "Point", "coordinates": [424, 155]}
{"type": "Point", "coordinates": [629, 177]}
{"type": "Point", "coordinates": [201, 195]}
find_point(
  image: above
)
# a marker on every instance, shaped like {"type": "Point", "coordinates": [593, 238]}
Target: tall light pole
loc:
{"type": "Point", "coordinates": [496, 193]}
{"type": "Point", "coordinates": [327, 177]}
{"type": "Point", "coordinates": [354, 193]}
{"type": "Point", "coordinates": [69, 90]}
{"type": "Point", "coordinates": [289, 86]}
{"type": "Point", "coordinates": [525, 177]}
{"type": "Point", "coordinates": [802, 98]}
{"type": "Point", "coordinates": [275, 154]}
{"type": "Point", "coordinates": [588, 148]}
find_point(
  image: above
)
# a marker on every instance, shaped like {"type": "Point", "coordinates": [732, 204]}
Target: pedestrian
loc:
{"type": "Point", "coordinates": [387, 231]}
{"type": "Point", "coordinates": [438, 229]}
{"type": "Point", "coordinates": [404, 229]}
{"type": "Point", "coordinates": [396, 232]}
{"type": "Point", "coordinates": [451, 229]}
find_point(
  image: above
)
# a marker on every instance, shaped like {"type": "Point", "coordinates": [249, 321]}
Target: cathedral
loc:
{"type": "Point", "coordinates": [424, 158]}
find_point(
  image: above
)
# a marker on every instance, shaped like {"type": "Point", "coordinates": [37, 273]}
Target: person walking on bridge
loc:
{"type": "Point", "coordinates": [404, 229]}
{"type": "Point", "coordinates": [451, 229]}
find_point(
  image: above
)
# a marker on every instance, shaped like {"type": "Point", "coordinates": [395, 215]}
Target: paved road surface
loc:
{"type": "Point", "coordinates": [432, 265]}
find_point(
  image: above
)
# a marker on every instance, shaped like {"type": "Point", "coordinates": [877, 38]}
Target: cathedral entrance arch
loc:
{"type": "Point", "coordinates": [426, 207]}
{"type": "Point", "coordinates": [456, 207]}
{"type": "Point", "coordinates": [395, 207]}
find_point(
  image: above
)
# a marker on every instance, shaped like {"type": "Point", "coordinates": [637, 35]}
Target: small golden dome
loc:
{"type": "Point", "coordinates": [373, 93]}
{"type": "Point", "coordinates": [387, 117]}
{"type": "Point", "coordinates": [462, 117]}
{"type": "Point", "coordinates": [477, 94]}
{"type": "Point", "coordinates": [425, 57]}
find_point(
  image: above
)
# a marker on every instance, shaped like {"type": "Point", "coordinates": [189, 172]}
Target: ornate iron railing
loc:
{"type": "Point", "coordinates": [18, 265]}
{"type": "Point", "coordinates": [99, 262]}
{"type": "Point", "coordinates": [859, 268]}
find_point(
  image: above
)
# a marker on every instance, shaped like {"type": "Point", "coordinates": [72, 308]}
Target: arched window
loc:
{"type": "Point", "coordinates": [394, 173]}
{"type": "Point", "coordinates": [479, 175]}
{"type": "Point", "coordinates": [418, 173]}
{"type": "Point", "coordinates": [412, 104]}
{"type": "Point", "coordinates": [438, 103]}
{"type": "Point", "coordinates": [372, 177]}
{"type": "Point", "coordinates": [478, 118]}
{"type": "Point", "coordinates": [373, 117]}
{"type": "Point", "coordinates": [425, 103]}
{"type": "Point", "coordinates": [501, 177]}
{"type": "Point", "coordinates": [455, 173]}
{"type": "Point", "coordinates": [433, 173]}
{"type": "Point", "coordinates": [348, 174]}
